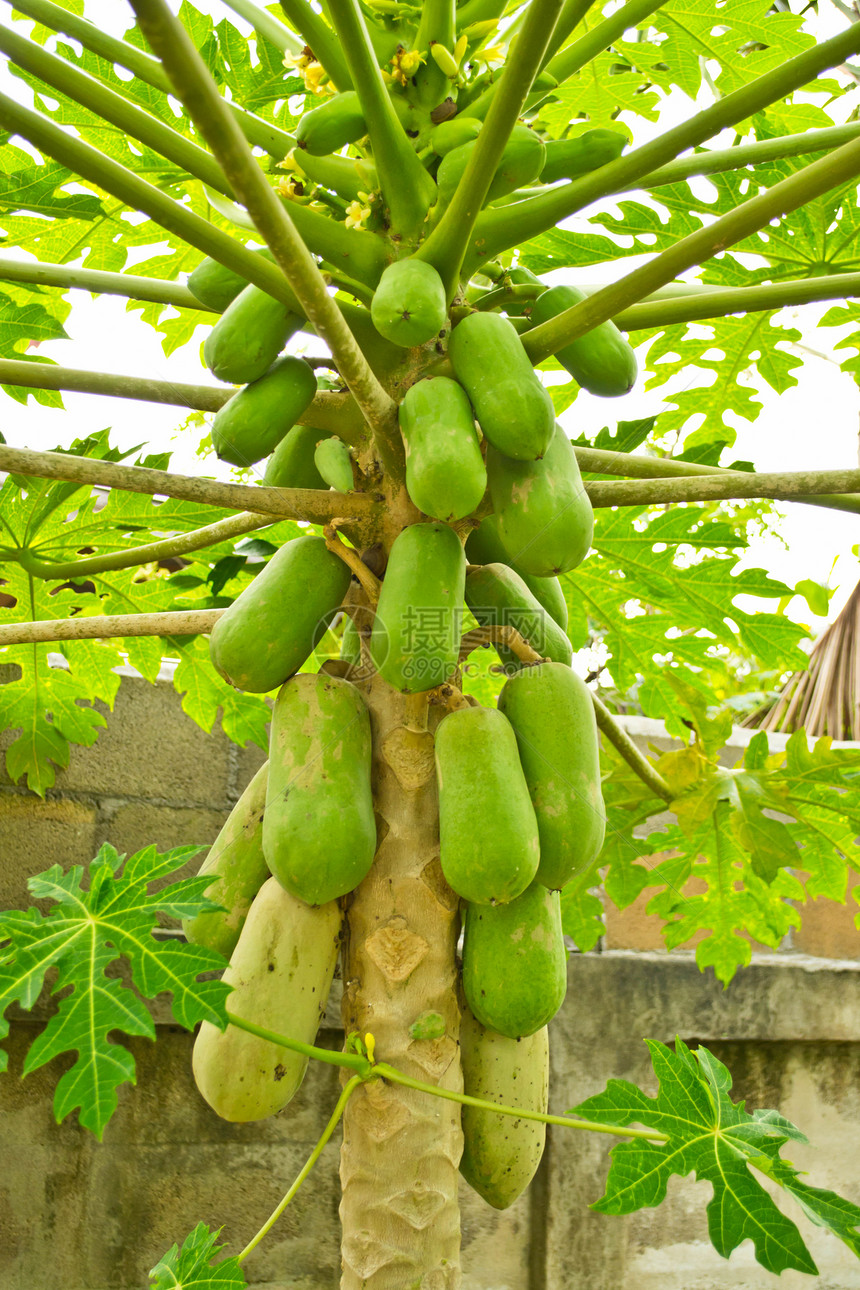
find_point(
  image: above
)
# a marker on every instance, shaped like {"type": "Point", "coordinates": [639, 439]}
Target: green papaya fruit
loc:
{"type": "Point", "coordinates": [248, 337]}
{"type": "Point", "coordinates": [332, 460]}
{"type": "Point", "coordinates": [291, 465]}
{"type": "Point", "coordinates": [569, 158]}
{"type": "Point", "coordinates": [409, 306]}
{"type": "Point", "coordinates": [545, 518]}
{"type": "Point", "coordinates": [487, 828]}
{"type": "Point", "coordinates": [346, 176]}
{"type": "Point", "coordinates": [601, 361]}
{"type": "Point", "coordinates": [452, 134]}
{"type": "Point", "coordinates": [513, 409]}
{"type": "Point", "coordinates": [281, 971]}
{"type": "Point", "coordinates": [332, 125]}
{"type": "Point", "coordinates": [217, 286]}
{"type": "Point", "coordinates": [501, 1154]}
{"type": "Point", "coordinates": [319, 831]}
{"type": "Point", "coordinates": [252, 424]}
{"type": "Point", "coordinates": [552, 715]}
{"type": "Point", "coordinates": [238, 868]}
{"type": "Point", "coordinates": [520, 163]}
{"type": "Point", "coordinates": [485, 546]}
{"type": "Point", "coordinates": [514, 961]}
{"type": "Point", "coordinates": [445, 472]}
{"type": "Point", "coordinates": [498, 596]}
{"type": "Point", "coordinates": [272, 627]}
{"type": "Point", "coordinates": [415, 639]}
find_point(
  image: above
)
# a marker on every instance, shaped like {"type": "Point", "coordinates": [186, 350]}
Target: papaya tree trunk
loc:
{"type": "Point", "coordinates": [401, 1148]}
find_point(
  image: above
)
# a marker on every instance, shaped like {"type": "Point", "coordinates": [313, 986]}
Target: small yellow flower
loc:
{"type": "Point", "coordinates": [405, 63]}
{"type": "Point", "coordinates": [291, 186]}
{"type": "Point", "coordinates": [289, 162]}
{"type": "Point", "coordinates": [313, 77]}
{"type": "Point", "coordinates": [358, 212]}
{"type": "Point", "coordinates": [492, 54]}
{"type": "Point", "coordinates": [298, 62]}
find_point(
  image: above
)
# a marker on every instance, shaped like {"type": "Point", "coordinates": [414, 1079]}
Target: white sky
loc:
{"type": "Point", "coordinates": [814, 425]}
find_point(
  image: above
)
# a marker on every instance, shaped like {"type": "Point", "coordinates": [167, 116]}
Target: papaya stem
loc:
{"type": "Point", "coordinates": [479, 637]}
{"type": "Point", "coordinates": [437, 25]}
{"type": "Point", "coordinates": [747, 154]}
{"type": "Point", "coordinates": [334, 1120]}
{"type": "Point", "coordinates": [446, 246]}
{"type": "Point", "coordinates": [623, 744]}
{"type": "Point", "coordinates": [267, 25]}
{"type": "Point", "coordinates": [167, 548]}
{"type": "Point", "coordinates": [790, 485]}
{"type": "Point", "coordinates": [407, 189]}
{"type": "Point", "coordinates": [113, 107]}
{"type": "Point", "coordinates": [315, 505]}
{"type": "Point", "coordinates": [101, 283]}
{"type": "Point", "coordinates": [202, 100]}
{"type": "Point", "coordinates": [316, 33]}
{"type": "Point", "coordinates": [258, 132]}
{"type": "Point", "coordinates": [395, 1076]}
{"type": "Point", "coordinates": [506, 226]}
{"type": "Point", "coordinates": [582, 51]}
{"type": "Point", "coordinates": [571, 16]}
{"type": "Point", "coordinates": [804, 186]}
{"type": "Point", "coordinates": [185, 622]}
{"type": "Point", "coordinates": [352, 1061]}
{"type": "Point", "coordinates": [369, 582]}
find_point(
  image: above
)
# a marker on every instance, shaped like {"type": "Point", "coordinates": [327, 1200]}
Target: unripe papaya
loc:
{"type": "Point", "coordinates": [291, 465]}
{"type": "Point", "coordinates": [272, 627]}
{"type": "Point", "coordinates": [552, 715]}
{"type": "Point", "coordinates": [497, 596]}
{"type": "Point", "coordinates": [445, 472]}
{"type": "Point", "coordinates": [346, 176]}
{"type": "Point", "coordinates": [487, 828]}
{"type": "Point", "coordinates": [416, 633]}
{"type": "Point", "coordinates": [501, 1154]}
{"type": "Point", "coordinates": [408, 306]}
{"type": "Point", "coordinates": [332, 460]}
{"type": "Point", "coordinates": [319, 831]}
{"type": "Point", "coordinates": [248, 337]}
{"type": "Point", "coordinates": [485, 546]}
{"type": "Point", "coordinates": [514, 961]}
{"type": "Point", "coordinates": [333, 124]}
{"type": "Point", "coordinates": [513, 409]}
{"type": "Point", "coordinates": [601, 361]}
{"type": "Point", "coordinates": [217, 286]}
{"type": "Point", "coordinates": [454, 133]}
{"type": "Point", "coordinates": [520, 163]}
{"type": "Point", "coordinates": [568, 158]}
{"type": "Point", "coordinates": [545, 518]}
{"type": "Point", "coordinates": [281, 971]}
{"type": "Point", "coordinates": [252, 424]}
{"type": "Point", "coordinates": [238, 868]}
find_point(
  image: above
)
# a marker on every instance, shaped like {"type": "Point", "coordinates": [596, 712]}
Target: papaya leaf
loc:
{"type": "Point", "coordinates": [99, 916]}
{"type": "Point", "coordinates": [720, 1142]}
{"type": "Point", "coordinates": [191, 1267]}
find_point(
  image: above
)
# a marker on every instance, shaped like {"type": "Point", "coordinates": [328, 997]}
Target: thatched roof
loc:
{"type": "Point", "coordinates": [824, 698]}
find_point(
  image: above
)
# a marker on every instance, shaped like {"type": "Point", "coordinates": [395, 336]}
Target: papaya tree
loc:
{"type": "Point", "coordinates": [383, 187]}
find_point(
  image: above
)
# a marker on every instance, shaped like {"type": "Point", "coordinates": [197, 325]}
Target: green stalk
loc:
{"type": "Point", "coordinates": [316, 506]}
{"type": "Point", "coordinates": [571, 16]}
{"type": "Point", "coordinates": [623, 744]}
{"type": "Point", "coordinates": [798, 189]}
{"type": "Point", "coordinates": [199, 94]}
{"type": "Point", "coordinates": [267, 25]}
{"type": "Point", "coordinates": [438, 25]}
{"type": "Point", "coordinates": [166, 549]}
{"type": "Point", "coordinates": [325, 43]}
{"type": "Point", "coordinates": [566, 1121]}
{"type": "Point", "coordinates": [479, 11]}
{"type": "Point", "coordinates": [747, 154]}
{"type": "Point", "coordinates": [507, 226]}
{"type": "Point", "coordinates": [145, 68]}
{"type": "Point", "coordinates": [352, 1061]}
{"type": "Point", "coordinates": [136, 193]}
{"type": "Point", "coordinates": [582, 51]}
{"type": "Point", "coordinates": [446, 246]}
{"type": "Point", "coordinates": [86, 627]}
{"type": "Point", "coordinates": [340, 1107]}
{"type": "Point", "coordinates": [105, 103]}
{"type": "Point", "coordinates": [794, 485]}
{"type": "Point", "coordinates": [717, 303]}
{"type": "Point", "coordinates": [95, 280]}
{"type": "Point", "coordinates": [407, 189]}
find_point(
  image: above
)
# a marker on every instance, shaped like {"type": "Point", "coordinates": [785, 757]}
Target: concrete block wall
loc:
{"type": "Point", "coordinates": [79, 1215]}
